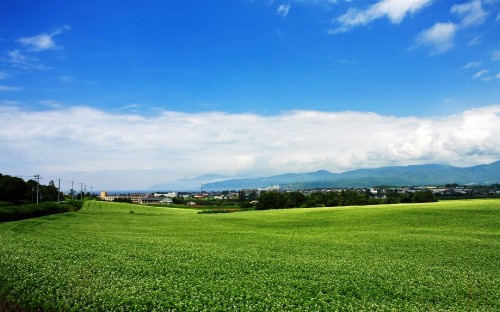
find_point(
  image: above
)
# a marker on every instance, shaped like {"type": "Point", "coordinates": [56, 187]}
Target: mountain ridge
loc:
{"type": "Point", "coordinates": [428, 174]}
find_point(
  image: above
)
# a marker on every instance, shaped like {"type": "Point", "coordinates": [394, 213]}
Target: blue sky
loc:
{"type": "Point", "coordinates": [75, 78]}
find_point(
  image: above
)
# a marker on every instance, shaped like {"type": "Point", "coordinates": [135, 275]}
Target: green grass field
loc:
{"type": "Point", "coordinates": [415, 257]}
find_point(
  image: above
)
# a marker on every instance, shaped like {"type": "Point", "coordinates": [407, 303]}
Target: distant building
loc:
{"type": "Point", "coordinates": [169, 194]}
{"type": "Point", "coordinates": [156, 200]}
{"type": "Point", "coordinates": [134, 198]}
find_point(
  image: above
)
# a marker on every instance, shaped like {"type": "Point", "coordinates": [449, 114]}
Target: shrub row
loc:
{"type": "Point", "coordinates": [279, 200]}
{"type": "Point", "coordinates": [20, 212]}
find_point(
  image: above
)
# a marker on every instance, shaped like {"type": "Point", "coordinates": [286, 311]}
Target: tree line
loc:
{"type": "Point", "coordinates": [16, 190]}
{"type": "Point", "coordinates": [280, 200]}
{"type": "Point", "coordinates": [18, 199]}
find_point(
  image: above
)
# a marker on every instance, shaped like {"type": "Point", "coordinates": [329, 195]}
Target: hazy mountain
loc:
{"type": "Point", "coordinates": [433, 174]}
{"type": "Point", "coordinates": [284, 179]}
{"type": "Point", "coordinates": [192, 184]}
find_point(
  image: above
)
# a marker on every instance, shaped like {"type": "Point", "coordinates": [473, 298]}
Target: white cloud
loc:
{"type": "Point", "coordinates": [475, 41]}
{"type": "Point", "coordinates": [9, 88]}
{"type": "Point", "coordinates": [3, 75]}
{"type": "Point", "coordinates": [44, 41]}
{"type": "Point", "coordinates": [114, 151]}
{"type": "Point", "coordinates": [39, 43]}
{"type": "Point", "coordinates": [131, 106]}
{"type": "Point", "coordinates": [66, 79]}
{"type": "Point", "coordinates": [26, 56]}
{"type": "Point", "coordinates": [439, 37]}
{"type": "Point", "coordinates": [395, 10]}
{"type": "Point", "coordinates": [51, 103]}
{"type": "Point", "coordinates": [472, 65]}
{"type": "Point", "coordinates": [8, 103]}
{"type": "Point", "coordinates": [19, 59]}
{"type": "Point", "coordinates": [480, 73]}
{"type": "Point", "coordinates": [495, 56]}
{"type": "Point", "coordinates": [283, 10]}
{"type": "Point", "coordinates": [471, 13]}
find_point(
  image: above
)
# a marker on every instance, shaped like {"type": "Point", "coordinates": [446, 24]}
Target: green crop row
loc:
{"type": "Point", "coordinates": [418, 257]}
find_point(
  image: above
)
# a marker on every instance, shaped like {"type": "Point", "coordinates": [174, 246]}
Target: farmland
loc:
{"type": "Point", "coordinates": [113, 256]}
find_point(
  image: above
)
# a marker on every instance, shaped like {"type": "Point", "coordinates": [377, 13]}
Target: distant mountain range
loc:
{"type": "Point", "coordinates": [193, 184]}
{"type": "Point", "coordinates": [395, 176]}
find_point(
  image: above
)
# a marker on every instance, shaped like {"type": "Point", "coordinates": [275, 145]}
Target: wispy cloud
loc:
{"type": "Point", "coordinates": [495, 56]}
{"type": "Point", "coordinates": [475, 41]}
{"type": "Point", "coordinates": [8, 103]}
{"type": "Point", "coordinates": [470, 13]}
{"type": "Point", "coordinates": [480, 73]}
{"type": "Point", "coordinates": [439, 37]}
{"type": "Point", "coordinates": [472, 65]}
{"type": "Point", "coordinates": [3, 75]}
{"type": "Point", "coordinates": [44, 41]}
{"type": "Point", "coordinates": [51, 103]}
{"type": "Point", "coordinates": [26, 57]}
{"type": "Point", "coordinates": [283, 10]}
{"type": "Point", "coordinates": [66, 79]}
{"type": "Point", "coordinates": [394, 10]}
{"type": "Point", "coordinates": [172, 145]}
{"type": "Point", "coordinates": [19, 59]}
{"type": "Point", "coordinates": [9, 88]}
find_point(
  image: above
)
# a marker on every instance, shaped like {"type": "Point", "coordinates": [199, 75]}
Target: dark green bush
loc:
{"type": "Point", "coordinates": [19, 212]}
{"type": "Point", "coordinates": [424, 196]}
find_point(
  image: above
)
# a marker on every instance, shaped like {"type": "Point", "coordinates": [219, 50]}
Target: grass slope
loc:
{"type": "Point", "coordinates": [439, 256]}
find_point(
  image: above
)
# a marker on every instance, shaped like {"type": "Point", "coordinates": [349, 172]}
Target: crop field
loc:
{"type": "Point", "coordinates": [119, 257]}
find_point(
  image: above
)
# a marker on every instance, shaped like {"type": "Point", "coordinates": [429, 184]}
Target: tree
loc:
{"type": "Point", "coordinates": [316, 199]}
{"type": "Point", "coordinates": [49, 192]}
{"type": "Point", "coordinates": [13, 189]}
{"type": "Point", "coordinates": [392, 196]}
{"type": "Point", "coordinates": [241, 196]}
{"type": "Point", "coordinates": [424, 196]}
{"type": "Point", "coordinates": [294, 199]}
{"type": "Point", "coordinates": [406, 199]}
{"type": "Point", "coordinates": [271, 200]}
{"type": "Point", "coordinates": [252, 196]}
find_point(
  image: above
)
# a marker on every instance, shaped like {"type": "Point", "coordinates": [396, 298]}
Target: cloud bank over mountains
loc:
{"type": "Point", "coordinates": [134, 151]}
{"type": "Point", "coordinates": [282, 76]}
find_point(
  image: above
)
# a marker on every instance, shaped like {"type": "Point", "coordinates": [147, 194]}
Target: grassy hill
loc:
{"type": "Point", "coordinates": [439, 256]}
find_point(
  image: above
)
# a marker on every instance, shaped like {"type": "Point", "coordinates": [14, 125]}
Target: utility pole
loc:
{"type": "Point", "coordinates": [37, 177]}
{"type": "Point", "coordinates": [72, 191]}
{"type": "Point", "coordinates": [59, 191]}
{"type": "Point", "coordinates": [81, 191]}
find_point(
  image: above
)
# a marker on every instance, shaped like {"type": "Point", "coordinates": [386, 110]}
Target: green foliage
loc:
{"type": "Point", "coordinates": [123, 200]}
{"type": "Point", "coordinates": [13, 189]}
{"type": "Point", "coordinates": [19, 212]}
{"type": "Point", "coordinates": [271, 200]}
{"type": "Point", "coordinates": [419, 257]}
{"type": "Point", "coordinates": [424, 196]}
{"type": "Point", "coordinates": [278, 200]}
{"type": "Point", "coordinates": [241, 196]}
{"type": "Point", "coordinates": [246, 205]}
{"type": "Point", "coordinates": [16, 190]}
